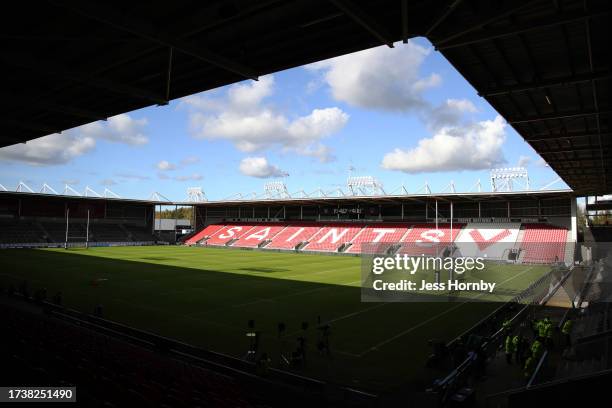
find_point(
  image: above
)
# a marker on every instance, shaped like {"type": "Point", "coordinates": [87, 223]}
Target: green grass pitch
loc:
{"type": "Point", "coordinates": [205, 296]}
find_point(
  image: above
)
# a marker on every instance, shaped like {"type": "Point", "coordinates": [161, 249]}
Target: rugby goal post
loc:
{"type": "Point", "coordinates": [76, 241]}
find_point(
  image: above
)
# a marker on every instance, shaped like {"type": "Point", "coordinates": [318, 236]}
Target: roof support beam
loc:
{"type": "Point", "coordinates": [565, 136]}
{"type": "Point", "coordinates": [109, 16]}
{"type": "Point", "coordinates": [552, 21]}
{"type": "Point", "coordinates": [496, 16]}
{"type": "Point", "coordinates": [556, 116]}
{"type": "Point", "coordinates": [365, 20]}
{"type": "Point", "coordinates": [595, 99]}
{"type": "Point", "coordinates": [572, 150]}
{"type": "Point", "coordinates": [55, 107]}
{"type": "Point", "coordinates": [50, 68]}
{"type": "Point", "coordinates": [451, 7]}
{"type": "Point", "coordinates": [546, 83]}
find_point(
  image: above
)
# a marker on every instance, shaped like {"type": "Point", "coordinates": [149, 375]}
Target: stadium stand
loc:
{"type": "Point", "coordinates": [537, 243]}
{"type": "Point", "coordinates": [425, 239]}
{"type": "Point", "coordinates": [384, 236]}
{"type": "Point", "coordinates": [293, 235]}
{"type": "Point", "coordinates": [543, 243]}
{"type": "Point", "coordinates": [332, 237]}
{"type": "Point", "coordinates": [54, 232]}
{"type": "Point", "coordinates": [19, 232]}
{"type": "Point", "coordinates": [138, 233]}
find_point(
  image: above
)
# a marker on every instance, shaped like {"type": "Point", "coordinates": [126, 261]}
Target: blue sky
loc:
{"type": "Point", "coordinates": [403, 115]}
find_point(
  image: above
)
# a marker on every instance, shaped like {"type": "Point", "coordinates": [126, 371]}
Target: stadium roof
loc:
{"type": "Point", "coordinates": [544, 65]}
{"type": "Point", "coordinates": [391, 199]}
{"type": "Point", "coordinates": [279, 201]}
{"type": "Point", "coordinates": [26, 195]}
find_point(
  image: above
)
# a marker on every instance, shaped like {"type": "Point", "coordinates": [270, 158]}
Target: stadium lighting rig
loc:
{"type": "Point", "coordinates": [365, 185]}
{"type": "Point", "coordinates": [196, 195]}
{"type": "Point", "coordinates": [276, 189]}
{"type": "Point", "coordinates": [503, 179]}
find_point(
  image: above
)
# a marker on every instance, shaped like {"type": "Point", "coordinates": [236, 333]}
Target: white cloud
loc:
{"type": "Point", "coordinates": [61, 148]}
{"type": "Point", "coordinates": [243, 119]}
{"type": "Point", "coordinates": [524, 161]}
{"type": "Point", "coordinates": [260, 168]}
{"type": "Point", "coordinates": [318, 151]}
{"type": "Point", "coordinates": [379, 78]}
{"type": "Point", "coordinates": [58, 148]}
{"type": "Point", "coordinates": [119, 129]}
{"type": "Point", "coordinates": [448, 113]}
{"type": "Point", "coordinates": [472, 147]}
{"type": "Point", "coordinates": [165, 165]}
{"type": "Point", "coordinates": [248, 96]}
{"type": "Point", "coordinates": [265, 129]}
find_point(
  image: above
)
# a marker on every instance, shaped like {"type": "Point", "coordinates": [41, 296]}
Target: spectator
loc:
{"type": "Point", "coordinates": [566, 330]}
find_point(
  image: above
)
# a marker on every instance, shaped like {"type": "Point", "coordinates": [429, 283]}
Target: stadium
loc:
{"type": "Point", "coordinates": [310, 299]}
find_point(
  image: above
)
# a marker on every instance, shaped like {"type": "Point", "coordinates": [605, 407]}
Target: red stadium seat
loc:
{"type": "Point", "coordinates": [258, 234]}
{"type": "Point", "coordinates": [331, 237]}
{"type": "Point", "coordinates": [543, 243]}
{"type": "Point", "coordinates": [208, 231]}
{"type": "Point", "coordinates": [228, 233]}
{"type": "Point", "coordinates": [384, 235]}
{"type": "Point", "coordinates": [293, 235]}
{"type": "Point", "coordinates": [425, 239]}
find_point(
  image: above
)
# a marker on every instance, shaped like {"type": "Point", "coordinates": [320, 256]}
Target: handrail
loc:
{"type": "Point", "coordinates": [537, 369]}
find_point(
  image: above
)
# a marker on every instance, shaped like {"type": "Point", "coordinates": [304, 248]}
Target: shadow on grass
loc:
{"type": "Point", "coordinates": [211, 309]}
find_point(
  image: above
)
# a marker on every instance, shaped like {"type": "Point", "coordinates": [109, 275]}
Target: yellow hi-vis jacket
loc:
{"type": "Point", "coordinates": [529, 366]}
{"type": "Point", "coordinates": [536, 349]}
{"type": "Point", "coordinates": [567, 327]}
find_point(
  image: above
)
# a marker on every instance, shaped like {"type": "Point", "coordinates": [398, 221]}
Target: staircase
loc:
{"type": "Point", "coordinates": [230, 242]}
{"type": "Point", "coordinates": [344, 247]}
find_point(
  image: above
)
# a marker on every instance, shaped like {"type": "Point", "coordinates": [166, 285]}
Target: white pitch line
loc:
{"type": "Point", "coordinates": [358, 312]}
{"type": "Point", "coordinates": [389, 340]}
